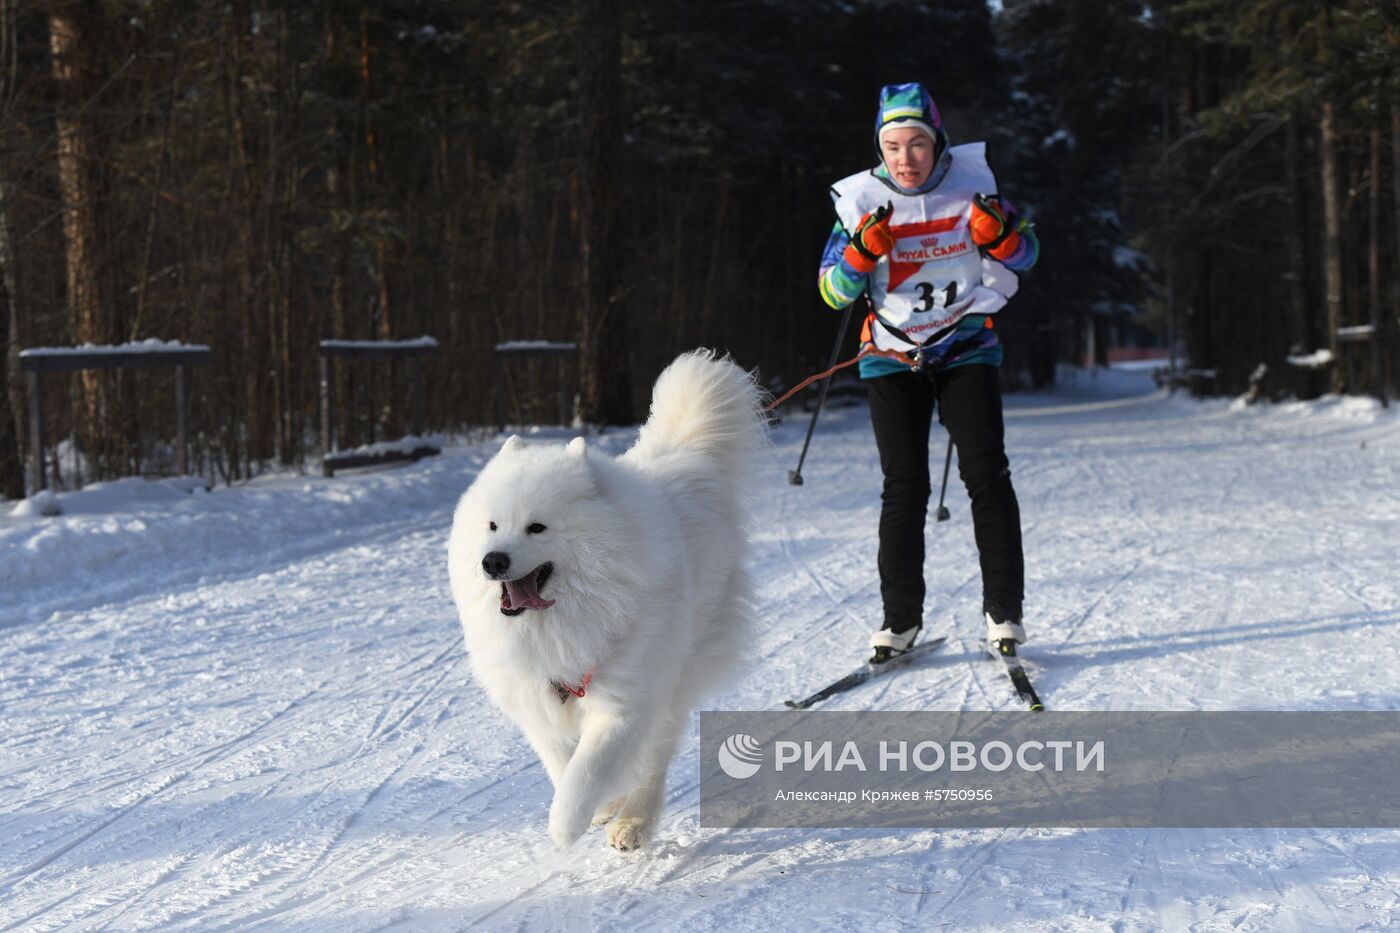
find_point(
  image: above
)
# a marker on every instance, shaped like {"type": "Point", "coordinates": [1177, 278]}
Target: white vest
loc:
{"type": "Point", "coordinates": [935, 276]}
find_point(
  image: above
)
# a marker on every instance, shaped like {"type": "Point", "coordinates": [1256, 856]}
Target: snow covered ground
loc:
{"type": "Point", "coordinates": [251, 709]}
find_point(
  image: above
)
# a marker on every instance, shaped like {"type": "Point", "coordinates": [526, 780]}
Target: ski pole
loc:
{"type": "Point", "coordinates": [942, 513]}
{"type": "Point", "coordinates": [795, 476]}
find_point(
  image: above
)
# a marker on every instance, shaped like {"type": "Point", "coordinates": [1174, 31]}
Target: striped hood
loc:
{"type": "Point", "coordinates": [911, 105]}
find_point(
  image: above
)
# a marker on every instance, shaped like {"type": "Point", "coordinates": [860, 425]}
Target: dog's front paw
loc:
{"type": "Point", "coordinates": [566, 825]}
{"type": "Point", "coordinates": [629, 832]}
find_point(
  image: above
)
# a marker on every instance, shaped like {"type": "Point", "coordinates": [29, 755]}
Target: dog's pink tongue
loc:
{"type": "Point", "coordinates": [523, 594]}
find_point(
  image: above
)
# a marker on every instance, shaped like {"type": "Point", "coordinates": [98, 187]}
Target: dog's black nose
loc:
{"type": "Point", "coordinates": [495, 563]}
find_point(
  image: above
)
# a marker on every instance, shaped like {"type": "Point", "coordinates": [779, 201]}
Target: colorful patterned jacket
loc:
{"type": "Point", "coordinates": [972, 337]}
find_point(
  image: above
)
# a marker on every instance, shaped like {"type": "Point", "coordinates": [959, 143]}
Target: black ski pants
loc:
{"type": "Point", "coordinates": [969, 406]}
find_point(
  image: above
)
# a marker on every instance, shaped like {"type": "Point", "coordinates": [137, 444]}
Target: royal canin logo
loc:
{"type": "Point", "coordinates": [929, 241]}
{"type": "Point", "coordinates": [925, 252]}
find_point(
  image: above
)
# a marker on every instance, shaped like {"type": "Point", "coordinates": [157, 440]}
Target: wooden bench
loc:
{"type": "Point", "coordinates": [144, 355]}
{"type": "Point", "coordinates": [524, 349]}
{"type": "Point", "coordinates": [373, 454]}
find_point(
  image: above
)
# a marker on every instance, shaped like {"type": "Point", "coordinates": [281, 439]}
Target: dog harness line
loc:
{"type": "Point", "coordinates": [565, 690]}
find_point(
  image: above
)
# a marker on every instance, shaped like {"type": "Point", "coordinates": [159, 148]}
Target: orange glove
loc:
{"type": "Point", "coordinates": [995, 233]}
{"type": "Point", "coordinates": [871, 240]}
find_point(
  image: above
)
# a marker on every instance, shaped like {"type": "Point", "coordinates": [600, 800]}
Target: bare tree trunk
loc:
{"type": "Point", "coordinates": [143, 283]}
{"type": "Point", "coordinates": [1387, 322]}
{"type": "Point", "coordinates": [289, 364]}
{"type": "Point", "coordinates": [1332, 239]}
{"type": "Point", "coordinates": [712, 275]}
{"type": "Point", "coordinates": [384, 329]}
{"type": "Point", "coordinates": [1395, 186]}
{"type": "Point", "coordinates": [340, 311]}
{"type": "Point", "coordinates": [73, 68]}
{"type": "Point", "coordinates": [603, 352]}
{"type": "Point", "coordinates": [248, 263]}
{"type": "Point", "coordinates": [12, 422]}
{"type": "Point", "coordinates": [1374, 263]}
{"type": "Point", "coordinates": [1335, 285]}
{"type": "Point", "coordinates": [1301, 295]}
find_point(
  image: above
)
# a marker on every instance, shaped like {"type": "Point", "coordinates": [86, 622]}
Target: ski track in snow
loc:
{"type": "Point", "coordinates": [266, 721]}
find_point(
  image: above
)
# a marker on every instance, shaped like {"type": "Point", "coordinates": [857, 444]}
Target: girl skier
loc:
{"type": "Point", "coordinates": [929, 238]}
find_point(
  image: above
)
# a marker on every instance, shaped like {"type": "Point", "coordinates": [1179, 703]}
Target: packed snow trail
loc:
{"type": "Point", "coordinates": [251, 710]}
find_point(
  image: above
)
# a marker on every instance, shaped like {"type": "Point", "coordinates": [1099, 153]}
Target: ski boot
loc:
{"type": "Point", "coordinates": [890, 644]}
{"type": "Point", "coordinates": [1003, 637]}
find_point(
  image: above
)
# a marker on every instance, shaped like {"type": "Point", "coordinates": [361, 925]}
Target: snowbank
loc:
{"type": "Point", "coordinates": [115, 537]}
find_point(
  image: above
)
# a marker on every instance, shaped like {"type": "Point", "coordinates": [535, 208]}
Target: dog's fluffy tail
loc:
{"type": "Point", "coordinates": [703, 403]}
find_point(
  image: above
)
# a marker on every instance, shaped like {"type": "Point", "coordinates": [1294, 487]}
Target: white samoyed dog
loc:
{"type": "Point", "coordinates": [602, 598]}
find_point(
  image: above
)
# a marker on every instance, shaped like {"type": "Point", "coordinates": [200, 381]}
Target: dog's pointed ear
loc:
{"type": "Point", "coordinates": [512, 443]}
{"type": "Point", "coordinates": [578, 448]}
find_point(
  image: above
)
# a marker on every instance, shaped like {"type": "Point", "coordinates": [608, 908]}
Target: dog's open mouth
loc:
{"type": "Point", "coordinates": [524, 593]}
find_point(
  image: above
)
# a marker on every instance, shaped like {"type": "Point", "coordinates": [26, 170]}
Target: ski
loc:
{"type": "Point", "coordinates": [871, 669]}
{"type": "Point", "coordinates": [1019, 678]}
